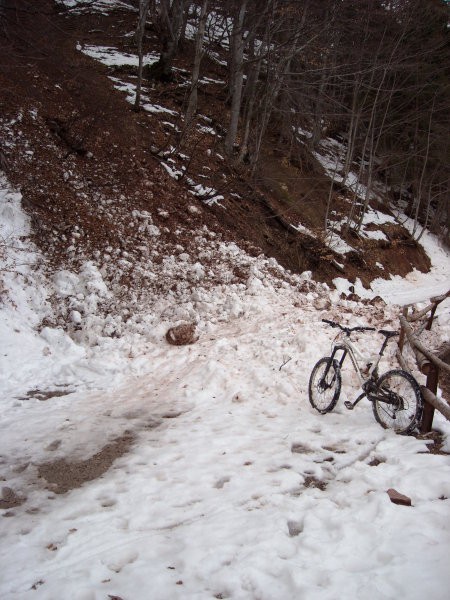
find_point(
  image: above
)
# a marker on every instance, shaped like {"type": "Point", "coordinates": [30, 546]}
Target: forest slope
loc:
{"type": "Point", "coordinates": [84, 160]}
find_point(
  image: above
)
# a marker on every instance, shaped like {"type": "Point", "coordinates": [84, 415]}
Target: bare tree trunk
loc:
{"type": "Point", "coordinates": [185, 22]}
{"type": "Point", "coordinates": [250, 96]}
{"type": "Point", "coordinates": [352, 132]}
{"type": "Point", "coordinates": [280, 73]}
{"type": "Point", "coordinates": [143, 10]}
{"type": "Point", "coordinates": [171, 18]}
{"type": "Point", "coordinates": [422, 173]}
{"type": "Point", "coordinates": [318, 113]}
{"type": "Point", "coordinates": [236, 77]}
{"type": "Point", "coordinates": [192, 104]}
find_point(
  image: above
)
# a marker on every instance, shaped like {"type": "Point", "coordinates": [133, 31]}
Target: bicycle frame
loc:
{"type": "Point", "coordinates": [379, 390]}
{"type": "Point", "coordinates": [346, 346]}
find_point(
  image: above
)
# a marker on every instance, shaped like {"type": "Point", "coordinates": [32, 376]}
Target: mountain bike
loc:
{"type": "Point", "coordinates": [395, 396]}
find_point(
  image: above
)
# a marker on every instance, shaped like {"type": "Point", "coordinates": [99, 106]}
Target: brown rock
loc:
{"type": "Point", "coordinates": [353, 297]}
{"type": "Point", "coordinates": [182, 335]}
{"type": "Point", "coordinates": [398, 498]}
{"type": "Point", "coordinates": [322, 304]}
{"type": "Point", "coordinates": [9, 498]}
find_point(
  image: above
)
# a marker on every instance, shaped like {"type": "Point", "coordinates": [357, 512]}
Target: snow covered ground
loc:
{"type": "Point", "coordinates": [232, 486]}
{"type": "Point", "coordinates": [416, 286]}
{"type": "Point", "coordinates": [101, 6]}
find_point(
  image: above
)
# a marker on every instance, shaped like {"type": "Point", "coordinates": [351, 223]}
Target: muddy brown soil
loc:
{"type": "Point", "coordinates": [68, 138]}
{"type": "Point", "coordinates": [64, 475]}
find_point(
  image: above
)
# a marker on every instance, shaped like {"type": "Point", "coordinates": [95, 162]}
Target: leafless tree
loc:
{"type": "Point", "coordinates": [199, 52]}
{"type": "Point", "coordinates": [169, 21]}
{"type": "Point", "coordinates": [143, 11]}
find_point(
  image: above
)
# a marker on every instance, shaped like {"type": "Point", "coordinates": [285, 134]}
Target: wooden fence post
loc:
{"type": "Point", "coordinates": [401, 339]}
{"type": "Point", "coordinates": [432, 373]}
{"type": "Point", "coordinates": [431, 317]}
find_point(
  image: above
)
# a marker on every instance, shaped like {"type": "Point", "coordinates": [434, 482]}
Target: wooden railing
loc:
{"type": "Point", "coordinates": [427, 361]}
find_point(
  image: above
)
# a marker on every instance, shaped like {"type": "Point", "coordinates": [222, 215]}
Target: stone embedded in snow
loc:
{"type": "Point", "coordinates": [9, 498]}
{"type": "Point", "coordinates": [75, 317]}
{"type": "Point", "coordinates": [322, 303]}
{"type": "Point", "coordinates": [181, 335]}
{"type": "Point", "coordinates": [397, 498]}
{"type": "Point", "coordinates": [378, 300]}
{"type": "Point", "coordinates": [196, 272]}
{"type": "Point", "coordinates": [153, 230]}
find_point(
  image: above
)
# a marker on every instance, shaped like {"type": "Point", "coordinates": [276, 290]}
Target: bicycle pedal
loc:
{"type": "Point", "coordinates": [348, 405]}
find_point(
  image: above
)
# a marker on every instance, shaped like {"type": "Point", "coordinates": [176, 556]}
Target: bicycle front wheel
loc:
{"type": "Point", "coordinates": [398, 403]}
{"type": "Point", "coordinates": [325, 385]}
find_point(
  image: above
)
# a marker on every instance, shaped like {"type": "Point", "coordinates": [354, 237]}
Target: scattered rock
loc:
{"type": "Point", "coordinates": [353, 297]}
{"type": "Point", "coordinates": [43, 395]}
{"type": "Point", "coordinates": [181, 335]}
{"type": "Point", "coordinates": [334, 449]}
{"type": "Point", "coordinates": [241, 273]}
{"type": "Point", "coordinates": [52, 547]}
{"type": "Point", "coordinates": [313, 482]}
{"type": "Point", "coordinates": [10, 499]}
{"type": "Point", "coordinates": [397, 498]}
{"type": "Point", "coordinates": [322, 304]}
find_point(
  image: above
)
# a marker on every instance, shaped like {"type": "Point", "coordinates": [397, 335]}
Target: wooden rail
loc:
{"type": "Point", "coordinates": [428, 362]}
{"type": "Point", "coordinates": [437, 403]}
{"type": "Point", "coordinates": [424, 356]}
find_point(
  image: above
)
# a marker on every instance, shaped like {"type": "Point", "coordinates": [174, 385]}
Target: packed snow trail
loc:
{"type": "Point", "coordinates": [226, 499]}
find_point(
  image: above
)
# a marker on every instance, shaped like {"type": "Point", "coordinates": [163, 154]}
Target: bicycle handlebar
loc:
{"type": "Point", "coordinates": [347, 330]}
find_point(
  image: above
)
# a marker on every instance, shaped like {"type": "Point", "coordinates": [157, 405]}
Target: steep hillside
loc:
{"type": "Point", "coordinates": [100, 180]}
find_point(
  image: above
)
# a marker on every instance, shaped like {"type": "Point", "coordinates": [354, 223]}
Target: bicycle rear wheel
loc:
{"type": "Point", "coordinates": [325, 385]}
{"type": "Point", "coordinates": [398, 403]}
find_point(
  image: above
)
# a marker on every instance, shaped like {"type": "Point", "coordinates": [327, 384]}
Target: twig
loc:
{"type": "Point", "coordinates": [285, 363]}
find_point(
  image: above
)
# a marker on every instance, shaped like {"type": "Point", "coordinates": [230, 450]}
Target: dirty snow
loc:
{"type": "Point", "coordinates": [234, 487]}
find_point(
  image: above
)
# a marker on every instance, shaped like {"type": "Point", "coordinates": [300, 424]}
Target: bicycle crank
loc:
{"type": "Point", "coordinates": [351, 405]}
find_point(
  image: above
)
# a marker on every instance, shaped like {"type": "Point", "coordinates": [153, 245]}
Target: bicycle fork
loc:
{"type": "Point", "coordinates": [323, 381]}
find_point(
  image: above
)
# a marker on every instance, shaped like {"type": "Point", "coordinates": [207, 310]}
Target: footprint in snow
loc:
{"type": "Point", "coordinates": [294, 528]}
{"type": "Point", "coordinates": [120, 561]}
{"type": "Point", "coordinates": [221, 482]}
